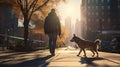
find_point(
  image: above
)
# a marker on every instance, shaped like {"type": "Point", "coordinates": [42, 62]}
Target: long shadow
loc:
{"type": "Point", "coordinates": [13, 53]}
{"type": "Point", "coordinates": [8, 56]}
{"type": "Point", "coordinates": [38, 62]}
{"type": "Point", "coordinates": [89, 61]}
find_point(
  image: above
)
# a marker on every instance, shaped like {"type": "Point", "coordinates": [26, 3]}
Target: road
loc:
{"type": "Point", "coordinates": [65, 57]}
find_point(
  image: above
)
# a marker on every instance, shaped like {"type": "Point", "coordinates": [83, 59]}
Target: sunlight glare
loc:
{"type": "Point", "coordinates": [71, 9]}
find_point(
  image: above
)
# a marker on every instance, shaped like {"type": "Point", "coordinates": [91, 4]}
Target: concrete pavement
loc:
{"type": "Point", "coordinates": [68, 58]}
{"type": "Point", "coordinates": [64, 58]}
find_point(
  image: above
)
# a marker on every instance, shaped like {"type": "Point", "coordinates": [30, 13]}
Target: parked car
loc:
{"type": "Point", "coordinates": [115, 44]}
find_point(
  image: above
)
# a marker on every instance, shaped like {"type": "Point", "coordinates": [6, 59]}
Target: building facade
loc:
{"type": "Point", "coordinates": [68, 26]}
{"type": "Point", "coordinates": [83, 21]}
{"type": "Point", "coordinates": [78, 28]}
{"type": "Point", "coordinates": [102, 15]}
{"type": "Point", "coordinates": [8, 20]}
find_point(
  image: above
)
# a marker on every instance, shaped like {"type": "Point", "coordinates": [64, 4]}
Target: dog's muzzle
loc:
{"type": "Point", "coordinates": [72, 40]}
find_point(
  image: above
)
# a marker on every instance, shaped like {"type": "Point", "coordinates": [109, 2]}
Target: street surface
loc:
{"type": "Point", "coordinates": [65, 57]}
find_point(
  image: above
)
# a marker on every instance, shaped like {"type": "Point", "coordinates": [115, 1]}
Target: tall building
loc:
{"type": "Point", "coordinates": [115, 14]}
{"type": "Point", "coordinates": [8, 20]}
{"type": "Point", "coordinates": [78, 27]}
{"type": "Point", "coordinates": [102, 15]}
{"type": "Point", "coordinates": [83, 21]}
{"type": "Point", "coordinates": [13, 26]}
{"type": "Point", "coordinates": [68, 26]}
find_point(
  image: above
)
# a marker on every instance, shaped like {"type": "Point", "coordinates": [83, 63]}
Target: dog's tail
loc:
{"type": "Point", "coordinates": [98, 43]}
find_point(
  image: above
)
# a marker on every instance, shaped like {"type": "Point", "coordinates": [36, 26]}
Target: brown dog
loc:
{"type": "Point", "coordinates": [86, 44]}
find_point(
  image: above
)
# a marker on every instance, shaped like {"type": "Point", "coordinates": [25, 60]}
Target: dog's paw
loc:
{"type": "Point", "coordinates": [84, 55]}
{"type": "Point", "coordinates": [97, 56]}
{"type": "Point", "coordinates": [93, 55]}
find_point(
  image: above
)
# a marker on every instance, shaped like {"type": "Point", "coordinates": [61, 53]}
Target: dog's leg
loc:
{"type": "Point", "coordinates": [79, 52]}
{"type": "Point", "coordinates": [97, 53]}
{"type": "Point", "coordinates": [84, 52]}
{"type": "Point", "coordinates": [93, 53]}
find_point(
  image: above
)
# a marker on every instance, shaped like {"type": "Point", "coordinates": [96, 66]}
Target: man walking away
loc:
{"type": "Point", "coordinates": [52, 28]}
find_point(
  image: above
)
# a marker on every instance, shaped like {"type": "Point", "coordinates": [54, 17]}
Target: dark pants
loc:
{"type": "Point", "coordinates": [52, 42]}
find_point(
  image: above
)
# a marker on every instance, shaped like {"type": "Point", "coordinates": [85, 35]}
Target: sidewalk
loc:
{"type": "Point", "coordinates": [64, 58]}
{"type": "Point", "coordinates": [68, 58]}
{"type": "Point", "coordinates": [23, 59]}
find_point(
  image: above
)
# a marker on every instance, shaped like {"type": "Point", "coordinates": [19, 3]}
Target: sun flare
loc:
{"type": "Point", "coordinates": [71, 9]}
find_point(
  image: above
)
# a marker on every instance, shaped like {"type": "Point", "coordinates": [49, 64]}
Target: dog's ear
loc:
{"type": "Point", "coordinates": [74, 35]}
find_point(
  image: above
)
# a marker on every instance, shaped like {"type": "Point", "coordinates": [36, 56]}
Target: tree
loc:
{"type": "Point", "coordinates": [28, 7]}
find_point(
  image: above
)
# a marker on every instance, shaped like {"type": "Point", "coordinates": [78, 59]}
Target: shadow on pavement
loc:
{"type": "Point", "coordinates": [89, 61]}
{"type": "Point", "coordinates": [38, 62]}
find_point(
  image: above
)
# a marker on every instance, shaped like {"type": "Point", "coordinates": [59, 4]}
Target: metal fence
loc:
{"type": "Point", "coordinates": [6, 41]}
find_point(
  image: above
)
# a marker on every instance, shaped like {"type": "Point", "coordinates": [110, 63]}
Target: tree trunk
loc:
{"type": "Point", "coordinates": [26, 22]}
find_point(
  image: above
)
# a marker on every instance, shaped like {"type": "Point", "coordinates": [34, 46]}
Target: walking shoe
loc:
{"type": "Point", "coordinates": [53, 54]}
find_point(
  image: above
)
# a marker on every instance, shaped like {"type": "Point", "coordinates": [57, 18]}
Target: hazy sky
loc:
{"type": "Point", "coordinates": [71, 8]}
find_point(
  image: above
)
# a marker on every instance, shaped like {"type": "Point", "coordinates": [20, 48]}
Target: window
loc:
{"type": "Point", "coordinates": [103, 7]}
{"type": "Point", "coordinates": [103, 20]}
{"type": "Point", "coordinates": [96, 13]}
{"type": "Point", "coordinates": [88, 1]}
{"type": "Point", "coordinates": [102, 13]}
{"type": "Point", "coordinates": [97, 20]}
{"type": "Point", "coordinates": [92, 13]}
{"type": "Point", "coordinates": [92, 1]}
{"type": "Point", "coordinates": [93, 7]}
{"type": "Point", "coordinates": [89, 7]}
{"type": "Point", "coordinates": [108, 7]}
{"type": "Point", "coordinates": [89, 14]}
{"type": "Point", "coordinates": [89, 20]}
{"type": "Point", "coordinates": [118, 6]}
{"type": "Point", "coordinates": [108, 1]}
{"type": "Point", "coordinates": [102, 1]}
{"type": "Point", "coordinates": [96, 7]}
{"type": "Point", "coordinates": [108, 19]}
{"type": "Point", "coordinates": [96, 1]}
{"type": "Point", "coordinates": [93, 19]}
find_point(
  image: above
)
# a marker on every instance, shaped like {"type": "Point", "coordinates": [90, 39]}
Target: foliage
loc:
{"type": "Point", "coordinates": [62, 38]}
{"type": "Point", "coordinates": [16, 44]}
{"type": "Point", "coordinates": [26, 8]}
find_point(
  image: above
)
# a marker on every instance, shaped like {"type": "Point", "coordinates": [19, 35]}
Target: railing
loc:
{"type": "Point", "coordinates": [4, 41]}
{"type": "Point", "coordinates": [7, 36]}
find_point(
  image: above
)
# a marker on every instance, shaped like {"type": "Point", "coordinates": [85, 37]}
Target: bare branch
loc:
{"type": "Point", "coordinates": [32, 9]}
{"type": "Point", "coordinates": [30, 15]}
{"type": "Point", "coordinates": [41, 5]}
{"type": "Point", "coordinates": [20, 4]}
{"type": "Point", "coordinates": [33, 3]}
